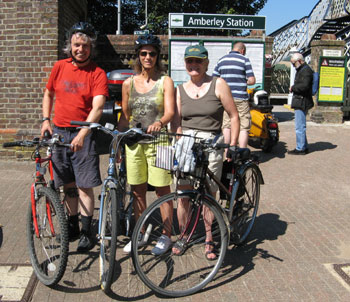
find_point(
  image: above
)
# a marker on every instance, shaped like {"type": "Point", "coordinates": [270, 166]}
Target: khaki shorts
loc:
{"type": "Point", "coordinates": [215, 159]}
{"type": "Point", "coordinates": [245, 119]}
{"type": "Point", "coordinates": [140, 160]}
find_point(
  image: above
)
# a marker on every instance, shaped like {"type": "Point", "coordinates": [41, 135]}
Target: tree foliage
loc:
{"type": "Point", "coordinates": [103, 14]}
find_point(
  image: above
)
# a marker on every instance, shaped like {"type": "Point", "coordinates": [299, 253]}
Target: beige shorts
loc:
{"type": "Point", "coordinates": [245, 119]}
{"type": "Point", "coordinates": [215, 160]}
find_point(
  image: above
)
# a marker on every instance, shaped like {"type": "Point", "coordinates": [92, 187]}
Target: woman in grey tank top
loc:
{"type": "Point", "coordinates": [148, 99]}
{"type": "Point", "coordinates": [200, 105]}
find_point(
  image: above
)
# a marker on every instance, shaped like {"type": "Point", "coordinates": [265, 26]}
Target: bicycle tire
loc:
{"type": "Point", "coordinates": [126, 207]}
{"type": "Point", "coordinates": [172, 275]}
{"type": "Point", "coordinates": [246, 207]}
{"type": "Point", "coordinates": [108, 238]}
{"type": "Point", "coordinates": [47, 254]}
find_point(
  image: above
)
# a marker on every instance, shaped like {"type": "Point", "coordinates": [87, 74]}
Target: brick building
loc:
{"type": "Point", "coordinates": [29, 35]}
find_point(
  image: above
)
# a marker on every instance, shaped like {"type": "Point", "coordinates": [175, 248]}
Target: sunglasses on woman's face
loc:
{"type": "Point", "coordinates": [145, 53]}
{"type": "Point", "coordinates": [194, 60]}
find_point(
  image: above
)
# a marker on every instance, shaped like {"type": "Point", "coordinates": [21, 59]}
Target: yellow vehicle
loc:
{"type": "Point", "coordinates": [264, 127]}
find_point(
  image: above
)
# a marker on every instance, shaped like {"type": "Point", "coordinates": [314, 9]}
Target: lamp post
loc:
{"type": "Point", "coordinates": [119, 17]}
{"type": "Point", "coordinates": [146, 17]}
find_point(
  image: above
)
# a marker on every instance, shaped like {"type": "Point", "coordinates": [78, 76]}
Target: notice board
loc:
{"type": "Point", "coordinates": [332, 72]}
{"type": "Point", "coordinates": [255, 51]}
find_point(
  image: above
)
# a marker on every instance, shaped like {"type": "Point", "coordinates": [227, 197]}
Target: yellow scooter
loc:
{"type": "Point", "coordinates": [264, 127]}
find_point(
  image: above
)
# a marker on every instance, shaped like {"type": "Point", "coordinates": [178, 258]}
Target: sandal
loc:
{"type": "Point", "coordinates": [179, 247]}
{"type": "Point", "coordinates": [210, 250]}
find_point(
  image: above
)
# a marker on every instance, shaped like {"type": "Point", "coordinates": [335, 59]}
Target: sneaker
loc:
{"type": "Point", "coordinates": [86, 243]}
{"type": "Point", "coordinates": [142, 242]}
{"type": "Point", "coordinates": [298, 152]}
{"type": "Point", "coordinates": [163, 245]}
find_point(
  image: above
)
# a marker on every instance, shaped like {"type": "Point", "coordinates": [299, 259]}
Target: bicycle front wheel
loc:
{"type": "Point", "coordinates": [48, 251]}
{"type": "Point", "coordinates": [108, 237]}
{"type": "Point", "coordinates": [247, 203]}
{"type": "Point", "coordinates": [184, 269]}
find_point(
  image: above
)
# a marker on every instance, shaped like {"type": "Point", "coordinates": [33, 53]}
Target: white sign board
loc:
{"type": "Point", "coordinates": [216, 50]}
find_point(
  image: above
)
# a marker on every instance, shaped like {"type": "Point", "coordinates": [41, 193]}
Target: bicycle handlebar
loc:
{"type": "Point", "coordinates": [55, 140]}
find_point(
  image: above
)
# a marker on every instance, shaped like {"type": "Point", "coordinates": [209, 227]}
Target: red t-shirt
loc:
{"type": "Point", "coordinates": [74, 89]}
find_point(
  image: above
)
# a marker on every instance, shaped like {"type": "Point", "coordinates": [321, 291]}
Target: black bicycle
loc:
{"type": "Point", "coordinates": [195, 214]}
{"type": "Point", "coordinates": [46, 219]}
{"type": "Point", "coordinates": [116, 199]}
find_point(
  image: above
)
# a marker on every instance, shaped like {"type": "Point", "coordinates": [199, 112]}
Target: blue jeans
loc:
{"type": "Point", "coordinates": [300, 129]}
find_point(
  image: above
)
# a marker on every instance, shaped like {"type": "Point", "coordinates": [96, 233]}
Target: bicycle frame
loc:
{"type": "Point", "coordinates": [40, 180]}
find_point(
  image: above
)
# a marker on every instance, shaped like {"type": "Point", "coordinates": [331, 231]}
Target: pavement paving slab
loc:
{"type": "Point", "coordinates": [299, 249]}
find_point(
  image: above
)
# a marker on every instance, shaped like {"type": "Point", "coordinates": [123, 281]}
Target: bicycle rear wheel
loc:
{"type": "Point", "coordinates": [108, 238]}
{"type": "Point", "coordinates": [48, 255]}
{"type": "Point", "coordinates": [179, 275]}
{"type": "Point", "coordinates": [246, 207]}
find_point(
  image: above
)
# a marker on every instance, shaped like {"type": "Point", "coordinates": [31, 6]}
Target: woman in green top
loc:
{"type": "Point", "coordinates": [148, 99]}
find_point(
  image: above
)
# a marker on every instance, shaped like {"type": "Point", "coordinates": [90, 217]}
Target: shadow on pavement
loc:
{"type": "Point", "coordinates": [278, 151]}
{"type": "Point", "coordinates": [1, 236]}
{"type": "Point", "coordinates": [321, 146]}
{"type": "Point", "coordinates": [284, 116]}
{"type": "Point", "coordinates": [239, 260]}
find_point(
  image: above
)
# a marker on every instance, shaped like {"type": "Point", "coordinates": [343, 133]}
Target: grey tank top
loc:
{"type": "Point", "coordinates": [204, 113]}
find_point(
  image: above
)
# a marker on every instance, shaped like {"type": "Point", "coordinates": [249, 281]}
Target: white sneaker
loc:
{"type": "Point", "coordinates": [163, 245]}
{"type": "Point", "coordinates": [142, 242]}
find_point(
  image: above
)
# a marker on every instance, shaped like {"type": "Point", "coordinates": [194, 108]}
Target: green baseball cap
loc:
{"type": "Point", "coordinates": [196, 51]}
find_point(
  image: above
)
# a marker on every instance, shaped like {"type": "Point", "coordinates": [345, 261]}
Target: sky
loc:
{"type": "Point", "coordinates": [280, 12]}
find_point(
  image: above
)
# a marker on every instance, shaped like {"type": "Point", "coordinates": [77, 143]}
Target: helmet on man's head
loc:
{"type": "Point", "coordinates": [148, 39]}
{"type": "Point", "coordinates": [82, 27]}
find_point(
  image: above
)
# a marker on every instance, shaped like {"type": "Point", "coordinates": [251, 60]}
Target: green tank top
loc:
{"type": "Point", "coordinates": [146, 108]}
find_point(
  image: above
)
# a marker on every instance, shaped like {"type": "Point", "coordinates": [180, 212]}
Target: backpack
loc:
{"type": "Point", "coordinates": [315, 82]}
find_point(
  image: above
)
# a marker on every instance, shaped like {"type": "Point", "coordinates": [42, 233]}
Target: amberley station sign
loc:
{"type": "Point", "coordinates": [217, 21]}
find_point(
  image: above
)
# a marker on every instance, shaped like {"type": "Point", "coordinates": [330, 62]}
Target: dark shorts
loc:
{"type": "Point", "coordinates": [82, 167]}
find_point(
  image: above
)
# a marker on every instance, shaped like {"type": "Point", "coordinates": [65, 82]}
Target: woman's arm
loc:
{"type": "Point", "coordinates": [169, 106]}
{"type": "Point", "coordinates": [176, 122]}
{"type": "Point", "coordinates": [125, 114]}
{"type": "Point", "coordinates": [223, 92]}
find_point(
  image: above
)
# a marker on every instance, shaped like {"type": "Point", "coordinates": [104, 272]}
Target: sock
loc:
{"type": "Point", "coordinates": [86, 224]}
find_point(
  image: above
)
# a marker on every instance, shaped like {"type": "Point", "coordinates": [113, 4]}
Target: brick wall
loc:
{"type": "Point", "coordinates": [29, 35]}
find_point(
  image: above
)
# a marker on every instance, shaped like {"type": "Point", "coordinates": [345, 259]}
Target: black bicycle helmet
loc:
{"type": "Point", "coordinates": [82, 27]}
{"type": "Point", "coordinates": [148, 39]}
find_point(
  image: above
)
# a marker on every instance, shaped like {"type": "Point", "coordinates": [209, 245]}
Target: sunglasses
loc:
{"type": "Point", "coordinates": [145, 53]}
{"type": "Point", "coordinates": [194, 60]}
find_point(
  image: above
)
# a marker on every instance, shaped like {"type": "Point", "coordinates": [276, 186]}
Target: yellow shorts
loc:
{"type": "Point", "coordinates": [244, 116]}
{"type": "Point", "coordinates": [140, 167]}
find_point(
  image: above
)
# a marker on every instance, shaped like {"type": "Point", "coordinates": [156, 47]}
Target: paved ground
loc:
{"type": "Point", "coordinates": [299, 247]}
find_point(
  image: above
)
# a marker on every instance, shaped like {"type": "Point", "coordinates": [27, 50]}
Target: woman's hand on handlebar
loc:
{"type": "Point", "coordinates": [155, 127]}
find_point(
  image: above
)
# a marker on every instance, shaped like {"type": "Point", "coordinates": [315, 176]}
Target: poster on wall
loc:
{"type": "Point", "coordinates": [332, 79]}
{"type": "Point", "coordinates": [216, 50]}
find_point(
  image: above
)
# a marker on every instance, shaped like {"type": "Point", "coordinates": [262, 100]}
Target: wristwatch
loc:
{"type": "Point", "coordinates": [45, 119]}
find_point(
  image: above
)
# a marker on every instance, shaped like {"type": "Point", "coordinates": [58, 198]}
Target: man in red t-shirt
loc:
{"type": "Point", "coordinates": [79, 88]}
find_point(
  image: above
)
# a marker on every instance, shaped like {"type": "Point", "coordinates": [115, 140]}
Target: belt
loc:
{"type": "Point", "coordinates": [70, 129]}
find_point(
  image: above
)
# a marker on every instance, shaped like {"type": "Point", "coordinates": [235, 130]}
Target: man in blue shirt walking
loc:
{"type": "Point", "coordinates": [237, 71]}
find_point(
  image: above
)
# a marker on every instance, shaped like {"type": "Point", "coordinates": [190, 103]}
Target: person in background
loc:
{"type": "Point", "coordinates": [237, 71]}
{"type": "Point", "coordinates": [148, 100]}
{"type": "Point", "coordinates": [302, 87]}
{"type": "Point", "coordinates": [200, 105]}
{"type": "Point", "coordinates": [79, 88]}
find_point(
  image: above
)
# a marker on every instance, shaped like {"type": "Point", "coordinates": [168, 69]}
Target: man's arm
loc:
{"type": "Point", "coordinates": [46, 109]}
{"type": "Point", "coordinates": [94, 116]}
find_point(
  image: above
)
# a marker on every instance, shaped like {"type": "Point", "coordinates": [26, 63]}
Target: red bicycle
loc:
{"type": "Point", "coordinates": [47, 227]}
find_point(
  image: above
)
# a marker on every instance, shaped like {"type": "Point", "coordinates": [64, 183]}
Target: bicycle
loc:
{"type": "Point", "coordinates": [46, 218]}
{"type": "Point", "coordinates": [186, 272]}
{"type": "Point", "coordinates": [115, 200]}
